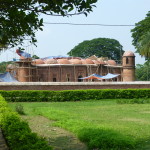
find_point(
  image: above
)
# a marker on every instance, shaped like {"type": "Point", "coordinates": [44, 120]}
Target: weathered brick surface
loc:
{"type": "Point", "coordinates": [72, 85]}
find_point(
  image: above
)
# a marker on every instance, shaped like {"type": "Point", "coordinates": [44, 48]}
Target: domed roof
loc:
{"type": "Point", "coordinates": [63, 61]}
{"type": "Point", "coordinates": [105, 62]}
{"type": "Point", "coordinates": [96, 62]}
{"type": "Point", "coordinates": [128, 53]}
{"type": "Point", "coordinates": [102, 59]}
{"type": "Point", "coordinates": [11, 66]}
{"type": "Point", "coordinates": [75, 61]}
{"type": "Point", "coordinates": [111, 62]}
{"type": "Point", "coordinates": [38, 61]}
{"type": "Point", "coordinates": [87, 61]}
{"type": "Point", "coordinates": [51, 61]}
{"type": "Point", "coordinates": [102, 62]}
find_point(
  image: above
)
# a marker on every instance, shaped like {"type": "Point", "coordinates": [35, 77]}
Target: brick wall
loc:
{"type": "Point", "coordinates": [72, 85]}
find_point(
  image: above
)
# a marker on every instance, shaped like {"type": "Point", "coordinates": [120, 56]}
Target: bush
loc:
{"type": "Point", "coordinates": [17, 132]}
{"type": "Point", "coordinates": [105, 139]}
{"type": "Point", "coordinates": [134, 101]}
{"type": "Point", "coordinates": [74, 95]}
{"type": "Point", "coordinates": [20, 109]}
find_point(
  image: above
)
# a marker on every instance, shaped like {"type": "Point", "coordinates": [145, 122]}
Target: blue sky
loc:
{"type": "Point", "coordinates": [60, 39]}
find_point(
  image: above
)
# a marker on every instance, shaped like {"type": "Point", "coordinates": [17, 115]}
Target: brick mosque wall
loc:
{"type": "Point", "coordinates": [72, 85]}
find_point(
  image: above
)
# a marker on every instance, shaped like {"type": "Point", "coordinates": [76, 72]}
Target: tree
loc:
{"type": "Point", "coordinates": [142, 71]}
{"type": "Point", "coordinates": [35, 57]}
{"type": "Point", "coordinates": [141, 36]}
{"type": "Point", "coordinates": [3, 66]}
{"type": "Point", "coordinates": [19, 19]}
{"type": "Point", "coordinates": [144, 46]}
{"type": "Point", "coordinates": [100, 47]}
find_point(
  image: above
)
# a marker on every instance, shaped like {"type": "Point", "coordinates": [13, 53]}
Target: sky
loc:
{"type": "Point", "coordinates": [57, 40]}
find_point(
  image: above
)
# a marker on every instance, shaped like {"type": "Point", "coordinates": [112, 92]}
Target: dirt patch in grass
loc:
{"type": "Point", "coordinates": [57, 137]}
{"type": "Point", "coordinates": [135, 120]}
{"type": "Point", "coordinates": [145, 112]}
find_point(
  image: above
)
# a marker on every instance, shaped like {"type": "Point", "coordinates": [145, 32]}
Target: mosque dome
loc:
{"type": "Point", "coordinates": [99, 62]}
{"type": "Point", "coordinates": [75, 61]}
{"type": "Point", "coordinates": [96, 62]}
{"type": "Point", "coordinates": [87, 61]}
{"type": "Point", "coordinates": [111, 62]}
{"type": "Point", "coordinates": [51, 61]}
{"type": "Point", "coordinates": [102, 62]}
{"type": "Point", "coordinates": [63, 61]}
{"type": "Point", "coordinates": [128, 53]}
{"type": "Point", "coordinates": [11, 66]}
{"type": "Point", "coordinates": [38, 61]}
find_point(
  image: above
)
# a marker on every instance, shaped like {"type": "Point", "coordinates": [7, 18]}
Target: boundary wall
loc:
{"type": "Point", "coordinates": [72, 85]}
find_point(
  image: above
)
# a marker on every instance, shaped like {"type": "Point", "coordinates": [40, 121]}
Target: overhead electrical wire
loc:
{"type": "Point", "coordinates": [89, 24]}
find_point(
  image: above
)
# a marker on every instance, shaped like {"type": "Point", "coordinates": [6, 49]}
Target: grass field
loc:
{"type": "Point", "coordinates": [103, 125]}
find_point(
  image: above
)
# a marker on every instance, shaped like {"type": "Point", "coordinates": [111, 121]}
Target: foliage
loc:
{"type": "Point", "coordinates": [144, 46]}
{"type": "Point", "coordinates": [20, 109]}
{"type": "Point", "coordinates": [142, 71]}
{"type": "Point", "coordinates": [74, 95]}
{"type": "Point", "coordinates": [133, 101]}
{"type": "Point", "coordinates": [104, 139]}
{"type": "Point", "coordinates": [100, 47]}
{"type": "Point", "coordinates": [3, 66]}
{"type": "Point", "coordinates": [140, 32]}
{"type": "Point", "coordinates": [35, 57]}
{"type": "Point", "coordinates": [19, 19]}
{"type": "Point", "coordinates": [99, 124]}
{"type": "Point", "coordinates": [17, 132]}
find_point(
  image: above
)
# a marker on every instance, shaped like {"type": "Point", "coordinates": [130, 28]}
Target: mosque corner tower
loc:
{"type": "Point", "coordinates": [24, 70]}
{"type": "Point", "coordinates": [128, 64]}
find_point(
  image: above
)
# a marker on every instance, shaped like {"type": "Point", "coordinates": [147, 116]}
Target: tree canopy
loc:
{"type": "Point", "coordinates": [144, 46]}
{"type": "Point", "coordinates": [3, 66]}
{"type": "Point", "coordinates": [19, 19]}
{"type": "Point", "coordinates": [143, 71]}
{"type": "Point", "coordinates": [100, 47]}
{"type": "Point", "coordinates": [141, 36]}
{"type": "Point", "coordinates": [35, 57]}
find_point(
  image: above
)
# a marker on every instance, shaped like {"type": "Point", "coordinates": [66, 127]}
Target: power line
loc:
{"type": "Point", "coordinates": [92, 24]}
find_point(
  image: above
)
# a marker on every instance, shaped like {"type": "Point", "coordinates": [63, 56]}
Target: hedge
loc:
{"type": "Point", "coordinates": [17, 132]}
{"type": "Point", "coordinates": [73, 95]}
{"type": "Point", "coordinates": [133, 101]}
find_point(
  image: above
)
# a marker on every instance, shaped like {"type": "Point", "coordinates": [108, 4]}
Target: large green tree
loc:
{"type": "Point", "coordinates": [141, 36]}
{"type": "Point", "coordinates": [19, 19]}
{"type": "Point", "coordinates": [143, 71]}
{"type": "Point", "coordinates": [100, 47]}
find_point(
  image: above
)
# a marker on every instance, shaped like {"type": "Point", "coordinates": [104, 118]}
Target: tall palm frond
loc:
{"type": "Point", "coordinates": [144, 46]}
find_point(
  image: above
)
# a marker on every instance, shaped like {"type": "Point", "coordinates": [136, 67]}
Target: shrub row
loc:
{"type": "Point", "coordinates": [133, 101]}
{"type": "Point", "coordinates": [17, 132]}
{"type": "Point", "coordinates": [74, 95]}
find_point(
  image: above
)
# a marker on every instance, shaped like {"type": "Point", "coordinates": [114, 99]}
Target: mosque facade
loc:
{"type": "Point", "coordinates": [74, 69]}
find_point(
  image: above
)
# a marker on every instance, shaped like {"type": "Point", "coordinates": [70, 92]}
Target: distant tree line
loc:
{"type": "Point", "coordinates": [3, 66]}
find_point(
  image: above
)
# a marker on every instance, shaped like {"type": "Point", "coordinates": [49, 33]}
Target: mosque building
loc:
{"type": "Point", "coordinates": [75, 69]}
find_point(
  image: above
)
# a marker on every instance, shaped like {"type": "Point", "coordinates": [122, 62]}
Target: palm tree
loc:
{"type": "Point", "coordinates": [144, 50]}
{"type": "Point", "coordinates": [144, 46]}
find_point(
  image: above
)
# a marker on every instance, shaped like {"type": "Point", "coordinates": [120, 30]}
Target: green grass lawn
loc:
{"type": "Point", "coordinates": [103, 125]}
